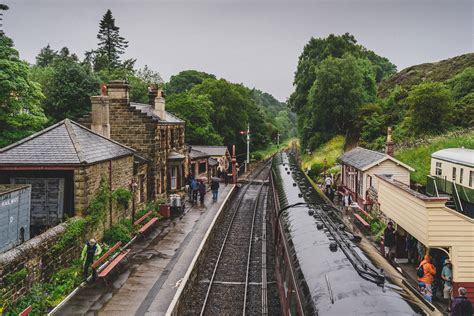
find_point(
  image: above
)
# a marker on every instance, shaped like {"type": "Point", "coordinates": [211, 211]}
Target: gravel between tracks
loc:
{"type": "Point", "coordinates": [228, 290]}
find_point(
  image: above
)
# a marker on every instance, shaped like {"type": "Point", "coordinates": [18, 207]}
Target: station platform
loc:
{"type": "Point", "coordinates": [157, 265]}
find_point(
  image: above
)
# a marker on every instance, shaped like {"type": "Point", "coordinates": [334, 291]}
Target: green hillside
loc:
{"type": "Point", "coordinates": [419, 157]}
{"type": "Point", "coordinates": [438, 71]}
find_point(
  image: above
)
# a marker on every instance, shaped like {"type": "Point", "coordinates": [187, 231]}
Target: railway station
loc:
{"type": "Point", "coordinates": [166, 160]}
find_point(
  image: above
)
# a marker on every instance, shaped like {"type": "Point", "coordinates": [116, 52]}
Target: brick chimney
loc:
{"type": "Point", "coordinates": [100, 115]}
{"type": "Point", "coordinates": [118, 89]}
{"type": "Point", "coordinates": [156, 99]}
{"type": "Point", "coordinates": [389, 146]}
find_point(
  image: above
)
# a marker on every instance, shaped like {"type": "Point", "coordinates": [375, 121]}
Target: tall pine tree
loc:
{"type": "Point", "coordinates": [111, 47]}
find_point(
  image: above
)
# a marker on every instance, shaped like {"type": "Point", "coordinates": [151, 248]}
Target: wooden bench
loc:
{"type": "Point", "coordinates": [106, 255]}
{"type": "Point", "coordinates": [113, 263]}
{"type": "Point", "coordinates": [362, 221]}
{"type": "Point", "coordinates": [141, 219]}
{"type": "Point", "coordinates": [26, 311]}
{"type": "Point", "coordinates": [145, 227]}
{"type": "Point", "coordinates": [364, 212]}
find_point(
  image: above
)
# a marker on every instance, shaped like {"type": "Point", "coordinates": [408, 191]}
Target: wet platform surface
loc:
{"type": "Point", "coordinates": [147, 283]}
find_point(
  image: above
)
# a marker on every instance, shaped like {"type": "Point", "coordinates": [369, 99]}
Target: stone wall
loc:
{"type": "Point", "coordinates": [87, 180]}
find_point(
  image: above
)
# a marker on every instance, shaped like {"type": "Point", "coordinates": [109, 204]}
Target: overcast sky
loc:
{"type": "Point", "coordinates": [256, 43]}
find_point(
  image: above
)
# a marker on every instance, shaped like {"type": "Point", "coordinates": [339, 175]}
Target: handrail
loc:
{"type": "Point", "coordinates": [457, 200]}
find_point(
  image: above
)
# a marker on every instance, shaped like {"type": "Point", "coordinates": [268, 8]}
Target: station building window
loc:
{"type": "Point", "coordinates": [438, 171]}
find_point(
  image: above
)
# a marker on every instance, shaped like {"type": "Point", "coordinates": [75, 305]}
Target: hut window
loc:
{"type": "Point", "coordinates": [454, 174]}
{"type": "Point", "coordinates": [438, 169]}
{"type": "Point", "coordinates": [173, 177]}
{"type": "Point", "coordinates": [461, 175]}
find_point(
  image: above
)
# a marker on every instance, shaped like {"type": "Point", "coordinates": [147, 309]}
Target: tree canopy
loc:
{"type": "Point", "coordinates": [334, 77]}
{"type": "Point", "coordinates": [20, 97]}
{"type": "Point", "coordinates": [185, 80]}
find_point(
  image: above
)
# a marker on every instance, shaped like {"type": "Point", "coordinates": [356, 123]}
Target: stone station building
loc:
{"type": "Point", "coordinates": [64, 165]}
{"type": "Point", "coordinates": [156, 135]}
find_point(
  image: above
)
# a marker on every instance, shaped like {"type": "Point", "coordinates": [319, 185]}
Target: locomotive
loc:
{"type": "Point", "coordinates": [322, 267]}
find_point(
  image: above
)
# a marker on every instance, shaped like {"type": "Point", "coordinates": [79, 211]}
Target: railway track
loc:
{"type": "Point", "coordinates": [230, 279]}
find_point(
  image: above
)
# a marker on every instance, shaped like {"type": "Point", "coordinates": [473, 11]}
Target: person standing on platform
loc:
{"type": "Point", "coordinates": [389, 241]}
{"type": "Point", "coordinates": [214, 189]}
{"type": "Point", "coordinates": [411, 248]}
{"type": "Point", "coordinates": [194, 188]}
{"type": "Point", "coordinates": [202, 191]}
{"type": "Point", "coordinates": [328, 182]}
{"type": "Point", "coordinates": [447, 276]}
{"type": "Point", "coordinates": [461, 304]}
{"type": "Point", "coordinates": [91, 250]}
{"type": "Point", "coordinates": [426, 272]}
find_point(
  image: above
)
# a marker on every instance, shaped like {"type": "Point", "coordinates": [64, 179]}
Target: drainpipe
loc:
{"type": "Point", "coordinates": [110, 198]}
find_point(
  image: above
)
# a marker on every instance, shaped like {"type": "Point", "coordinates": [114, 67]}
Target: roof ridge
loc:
{"type": "Point", "coordinates": [24, 140]}
{"type": "Point", "coordinates": [374, 151]}
{"type": "Point", "coordinates": [75, 141]}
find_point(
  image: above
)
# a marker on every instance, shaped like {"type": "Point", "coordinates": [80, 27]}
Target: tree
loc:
{"type": "Point", "coordinates": [430, 105]}
{"type": "Point", "coordinates": [317, 50]}
{"type": "Point", "coordinates": [196, 111]}
{"type": "Point", "coordinates": [111, 47]}
{"type": "Point", "coordinates": [20, 97]}
{"type": "Point", "coordinates": [46, 56]}
{"type": "Point", "coordinates": [341, 87]}
{"type": "Point", "coordinates": [185, 80]}
{"type": "Point", "coordinates": [68, 89]}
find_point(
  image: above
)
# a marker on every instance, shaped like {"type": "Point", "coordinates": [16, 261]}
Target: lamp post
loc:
{"type": "Point", "coordinates": [133, 188]}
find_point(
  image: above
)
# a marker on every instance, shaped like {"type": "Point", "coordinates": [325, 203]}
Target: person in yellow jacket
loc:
{"type": "Point", "coordinates": [90, 251]}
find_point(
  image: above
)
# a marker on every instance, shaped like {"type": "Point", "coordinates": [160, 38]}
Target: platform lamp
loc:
{"type": "Point", "coordinates": [133, 188]}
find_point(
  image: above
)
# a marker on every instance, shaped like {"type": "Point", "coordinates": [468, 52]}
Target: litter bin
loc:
{"type": "Point", "coordinates": [165, 210]}
{"type": "Point", "coordinates": [176, 204]}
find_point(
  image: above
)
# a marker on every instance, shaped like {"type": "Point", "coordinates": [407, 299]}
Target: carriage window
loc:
{"type": "Point", "coordinates": [461, 175]}
{"type": "Point", "coordinates": [438, 169]}
{"type": "Point", "coordinates": [471, 178]}
{"type": "Point", "coordinates": [454, 174]}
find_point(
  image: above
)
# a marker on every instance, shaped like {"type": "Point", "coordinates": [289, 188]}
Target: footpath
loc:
{"type": "Point", "coordinates": [157, 264]}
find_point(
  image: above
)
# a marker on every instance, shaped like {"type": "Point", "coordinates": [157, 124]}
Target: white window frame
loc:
{"type": "Point", "coordinates": [438, 169]}
{"type": "Point", "coordinates": [174, 181]}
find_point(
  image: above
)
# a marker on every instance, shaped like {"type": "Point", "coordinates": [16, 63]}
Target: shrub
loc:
{"type": "Point", "coordinates": [122, 197]}
{"type": "Point", "coordinates": [117, 233]}
{"type": "Point", "coordinates": [15, 277]}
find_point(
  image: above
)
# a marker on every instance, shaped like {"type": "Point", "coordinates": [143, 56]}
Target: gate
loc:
{"type": "Point", "coordinates": [47, 199]}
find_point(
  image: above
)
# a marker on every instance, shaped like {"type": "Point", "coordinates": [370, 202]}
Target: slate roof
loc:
{"type": "Point", "coordinates": [66, 142]}
{"type": "Point", "coordinates": [197, 154]}
{"type": "Point", "coordinates": [212, 150]}
{"type": "Point", "coordinates": [173, 155]}
{"type": "Point", "coordinates": [363, 159]}
{"type": "Point", "coordinates": [148, 110]}
{"type": "Point", "coordinates": [462, 156]}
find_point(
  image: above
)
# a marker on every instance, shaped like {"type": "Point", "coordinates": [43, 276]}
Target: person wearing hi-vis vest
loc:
{"type": "Point", "coordinates": [90, 251]}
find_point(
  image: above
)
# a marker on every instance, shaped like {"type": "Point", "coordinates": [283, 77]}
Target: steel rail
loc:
{"type": "Point", "coordinates": [252, 230]}
{"type": "Point", "coordinates": [206, 298]}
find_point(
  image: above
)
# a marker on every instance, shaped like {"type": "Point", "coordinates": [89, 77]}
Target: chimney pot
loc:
{"type": "Point", "coordinates": [389, 146]}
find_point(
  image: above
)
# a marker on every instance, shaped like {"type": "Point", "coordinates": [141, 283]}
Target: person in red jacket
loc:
{"type": "Point", "coordinates": [425, 281]}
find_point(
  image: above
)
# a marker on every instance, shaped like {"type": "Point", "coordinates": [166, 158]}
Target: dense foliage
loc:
{"type": "Point", "coordinates": [216, 111]}
{"type": "Point", "coordinates": [20, 97]}
{"type": "Point", "coordinates": [334, 77]}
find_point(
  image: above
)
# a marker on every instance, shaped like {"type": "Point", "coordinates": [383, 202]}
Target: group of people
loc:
{"type": "Point", "coordinates": [434, 273]}
{"type": "Point", "coordinates": [198, 186]}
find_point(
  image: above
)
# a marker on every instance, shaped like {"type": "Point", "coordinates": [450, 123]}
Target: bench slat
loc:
{"type": "Point", "coordinates": [106, 255]}
{"type": "Point", "coordinates": [148, 225]}
{"type": "Point", "coordinates": [112, 265]}
{"type": "Point", "coordinates": [26, 311]}
{"type": "Point", "coordinates": [141, 219]}
{"type": "Point", "coordinates": [360, 219]}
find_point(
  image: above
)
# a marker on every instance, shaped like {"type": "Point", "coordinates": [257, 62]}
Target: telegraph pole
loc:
{"type": "Point", "coordinates": [248, 147]}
